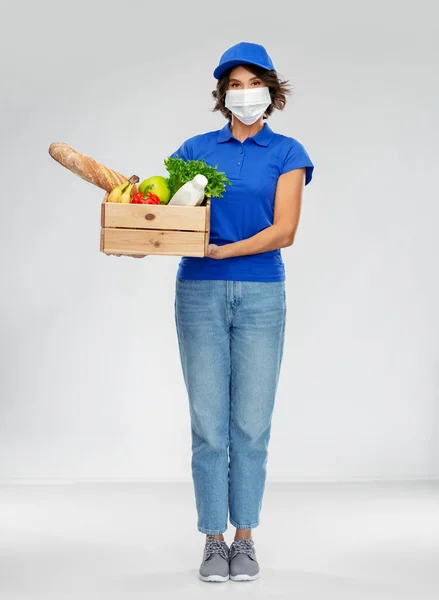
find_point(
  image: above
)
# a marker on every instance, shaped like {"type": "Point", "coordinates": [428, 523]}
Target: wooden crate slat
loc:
{"type": "Point", "coordinates": [150, 241]}
{"type": "Point", "coordinates": [150, 216]}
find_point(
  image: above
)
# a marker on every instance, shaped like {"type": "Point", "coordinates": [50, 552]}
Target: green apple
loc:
{"type": "Point", "coordinates": [157, 185]}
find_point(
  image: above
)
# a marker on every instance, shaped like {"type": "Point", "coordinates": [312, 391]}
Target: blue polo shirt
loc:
{"type": "Point", "coordinates": [247, 206]}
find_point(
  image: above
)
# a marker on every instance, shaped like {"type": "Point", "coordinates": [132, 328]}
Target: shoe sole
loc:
{"type": "Point", "coordinates": [215, 578]}
{"type": "Point", "coordinates": [244, 577]}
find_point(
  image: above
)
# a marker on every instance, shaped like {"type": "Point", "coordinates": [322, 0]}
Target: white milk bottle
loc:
{"type": "Point", "coordinates": [191, 193]}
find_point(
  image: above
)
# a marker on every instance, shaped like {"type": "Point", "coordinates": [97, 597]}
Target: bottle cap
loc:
{"type": "Point", "coordinates": [200, 181]}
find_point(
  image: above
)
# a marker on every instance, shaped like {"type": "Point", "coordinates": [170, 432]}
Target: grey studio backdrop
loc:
{"type": "Point", "coordinates": [91, 384]}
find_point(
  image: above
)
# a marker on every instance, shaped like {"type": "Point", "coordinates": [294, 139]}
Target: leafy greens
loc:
{"type": "Point", "coordinates": [181, 171]}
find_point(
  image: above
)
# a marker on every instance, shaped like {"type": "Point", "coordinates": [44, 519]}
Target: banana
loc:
{"type": "Point", "coordinates": [117, 192]}
{"type": "Point", "coordinates": [126, 195]}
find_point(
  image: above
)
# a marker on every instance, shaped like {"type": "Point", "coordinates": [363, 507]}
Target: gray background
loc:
{"type": "Point", "coordinates": [91, 383]}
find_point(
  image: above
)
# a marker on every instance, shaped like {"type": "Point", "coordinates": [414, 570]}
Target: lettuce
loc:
{"type": "Point", "coordinates": [181, 171]}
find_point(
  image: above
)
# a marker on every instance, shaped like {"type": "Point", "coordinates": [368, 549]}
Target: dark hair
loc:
{"type": "Point", "coordinates": [278, 90]}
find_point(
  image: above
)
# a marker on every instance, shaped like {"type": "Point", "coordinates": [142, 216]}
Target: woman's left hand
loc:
{"type": "Point", "coordinates": [214, 251]}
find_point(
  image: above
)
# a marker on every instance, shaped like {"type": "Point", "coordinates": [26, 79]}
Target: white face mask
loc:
{"type": "Point", "coordinates": [248, 105]}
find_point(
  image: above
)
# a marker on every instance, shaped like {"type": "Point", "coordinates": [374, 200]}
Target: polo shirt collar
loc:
{"type": "Point", "coordinates": [263, 137]}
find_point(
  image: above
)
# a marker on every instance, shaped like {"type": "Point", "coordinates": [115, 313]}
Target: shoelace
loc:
{"type": "Point", "coordinates": [242, 546]}
{"type": "Point", "coordinates": [214, 545]}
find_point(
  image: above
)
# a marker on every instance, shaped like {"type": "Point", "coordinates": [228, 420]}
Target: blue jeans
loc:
{"type": "Point", "coordinates": [231, 338]}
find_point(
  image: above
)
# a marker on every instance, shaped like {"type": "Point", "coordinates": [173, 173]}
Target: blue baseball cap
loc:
{"type": "Point", "coordinates": [243, 53]}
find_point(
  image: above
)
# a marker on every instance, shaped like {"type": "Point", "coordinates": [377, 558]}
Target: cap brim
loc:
{"type": "Point", "coordinates": [221, 69]}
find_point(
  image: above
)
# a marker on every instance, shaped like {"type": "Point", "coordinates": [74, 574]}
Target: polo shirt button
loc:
{"type": "Point", "coordinates": [238, 163]}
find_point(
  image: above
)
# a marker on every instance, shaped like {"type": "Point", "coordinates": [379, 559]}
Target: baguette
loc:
{"type": "Point", "coordinates": [86, 167]}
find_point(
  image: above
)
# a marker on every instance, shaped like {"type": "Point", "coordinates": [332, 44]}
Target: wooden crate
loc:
{"type": "Point", "coordinates": [154, 229]}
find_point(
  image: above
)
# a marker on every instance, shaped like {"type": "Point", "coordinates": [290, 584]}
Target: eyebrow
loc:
{"type": "Point", "coordinates": [234, 79]}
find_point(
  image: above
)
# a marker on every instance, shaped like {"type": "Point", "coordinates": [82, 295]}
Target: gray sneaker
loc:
{"type": "Point", "coordinates": [215, 565]}
{"type": "Point", "coordinates": [243, 565]}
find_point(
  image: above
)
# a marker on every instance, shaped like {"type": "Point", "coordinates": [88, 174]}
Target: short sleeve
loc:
{"type": "Point", "coordinates": [296, 158]}
{"type": "Point", "coordinates": [184, 151]}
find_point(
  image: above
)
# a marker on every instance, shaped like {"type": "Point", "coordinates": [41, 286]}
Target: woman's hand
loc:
{"type": "Point", "coordinates": [214, 251]}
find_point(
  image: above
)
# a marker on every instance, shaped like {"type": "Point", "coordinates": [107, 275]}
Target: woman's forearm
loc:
{"type": "Point", "coordinates": [271, 238]}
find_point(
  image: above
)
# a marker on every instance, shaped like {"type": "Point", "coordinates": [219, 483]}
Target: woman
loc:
{"type": "Point", "coordinates": [230, 306]}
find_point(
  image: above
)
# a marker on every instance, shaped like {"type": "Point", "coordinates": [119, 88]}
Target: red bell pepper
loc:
{"type": "Point", "coordinates": [140, 199]}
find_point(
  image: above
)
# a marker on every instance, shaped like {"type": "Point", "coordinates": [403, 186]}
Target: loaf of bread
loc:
{"type": "Point", "coordinates": [86, 167]}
